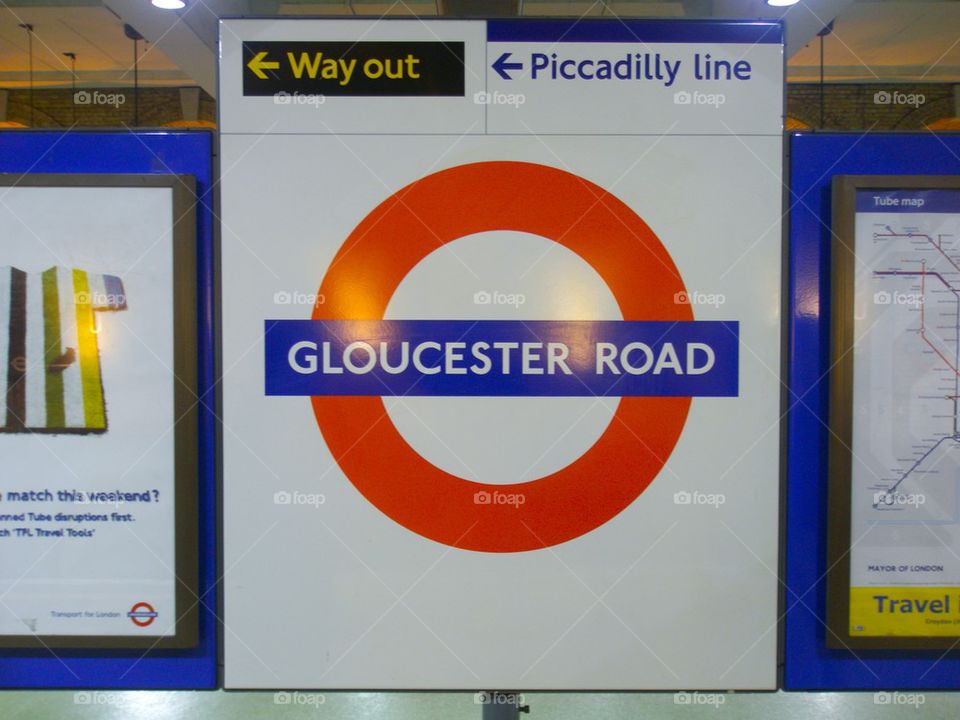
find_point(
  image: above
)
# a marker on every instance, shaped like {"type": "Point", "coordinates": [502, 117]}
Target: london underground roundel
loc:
{"type": "Point", "coordinates": [347, 357]}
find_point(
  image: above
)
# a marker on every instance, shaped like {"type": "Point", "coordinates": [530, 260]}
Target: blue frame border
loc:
{"type": "Point", "coordinates": [814, 160]}
{"type": "Point", "coordinates": [155, 152]}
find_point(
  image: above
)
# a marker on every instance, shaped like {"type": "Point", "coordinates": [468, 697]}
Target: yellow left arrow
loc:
{"type": "Point", "coordinates": [258, 65]}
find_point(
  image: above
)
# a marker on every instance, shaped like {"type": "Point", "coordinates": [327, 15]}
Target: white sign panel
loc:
{"type": "Point", "coordinates": [501, 306]}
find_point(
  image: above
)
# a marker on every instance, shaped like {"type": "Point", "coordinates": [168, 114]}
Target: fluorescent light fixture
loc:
{"type": "Point", "coordinates": [169, 4]}
{"type": "Point", "coordinates": [782, 3]}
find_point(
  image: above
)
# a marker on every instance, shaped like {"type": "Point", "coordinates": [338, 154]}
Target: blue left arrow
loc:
{"type": "Point", "coordinates": [501, 66]}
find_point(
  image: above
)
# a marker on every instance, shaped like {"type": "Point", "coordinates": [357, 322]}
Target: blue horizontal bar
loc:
{"type": "Point", "coordinates": [766, 32]}
{"type": "Point", "coordinates": [531, 358]}
{"type": "Point", "coordinates": [908, 200]}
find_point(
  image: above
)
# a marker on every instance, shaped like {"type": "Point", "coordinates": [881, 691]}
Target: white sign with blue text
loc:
{"type": "Point", "coordinates": [501, 326]}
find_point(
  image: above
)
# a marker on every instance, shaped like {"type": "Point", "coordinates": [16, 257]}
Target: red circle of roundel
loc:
{"type": "Point", "coordinates": [142, 621]}
{"type": "Point", "coordinates": [408, 226]}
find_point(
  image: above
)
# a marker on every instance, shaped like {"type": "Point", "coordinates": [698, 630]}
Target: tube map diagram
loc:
{"type": "Point", "coordinates": [905, 524]}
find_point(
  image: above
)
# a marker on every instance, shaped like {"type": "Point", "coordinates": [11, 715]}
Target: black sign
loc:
{"type": "Point", "coordinates": [371, 69]}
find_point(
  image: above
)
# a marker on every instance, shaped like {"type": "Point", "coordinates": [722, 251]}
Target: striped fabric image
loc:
{"type": "Point", "coordinates": [48, 338]}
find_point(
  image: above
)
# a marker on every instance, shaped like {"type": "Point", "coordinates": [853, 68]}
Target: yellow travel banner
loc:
{"type": "Point", "coordinates": [905, 611]}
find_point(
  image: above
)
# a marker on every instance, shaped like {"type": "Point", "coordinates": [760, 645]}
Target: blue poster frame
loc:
{"type": "Point", "coordinates": [140, 152]}
{"type": "Point", "coordinates": [814, 159]}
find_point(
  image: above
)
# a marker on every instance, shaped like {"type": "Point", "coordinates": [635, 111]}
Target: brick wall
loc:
{"type": "Point", "coordinates": [101, 107]}
{"type": "Point", "coordinates": [847, 106]}
{"type": "Point", "coordinates": [861, 106]}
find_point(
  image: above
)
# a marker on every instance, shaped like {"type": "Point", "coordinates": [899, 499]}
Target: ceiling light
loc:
{"type": "Point", "coordinates": [775, 3]}
{"type": "Point", "coordinates": [169, 4]}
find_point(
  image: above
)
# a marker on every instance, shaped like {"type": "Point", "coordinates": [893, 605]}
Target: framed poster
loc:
{"type": "Point", "coordinates": [98, 419]}
{"type": "Point", "coordinates": [894, 450]}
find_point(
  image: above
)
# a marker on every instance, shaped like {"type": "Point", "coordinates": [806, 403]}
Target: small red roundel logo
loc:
{"type": "Point", "coordinates": [142, 614]}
